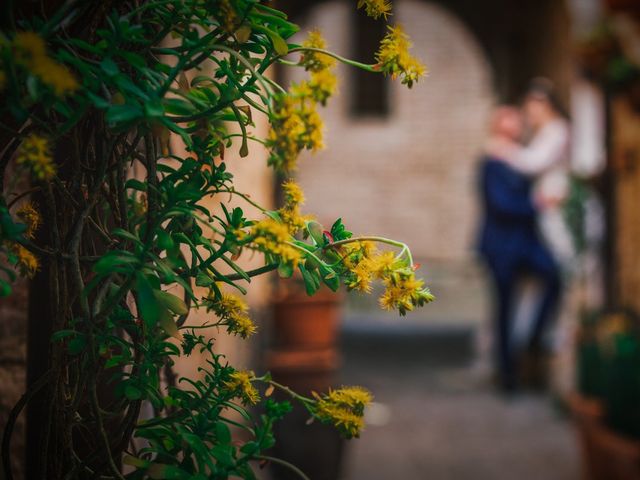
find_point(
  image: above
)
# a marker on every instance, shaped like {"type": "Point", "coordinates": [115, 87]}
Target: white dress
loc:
{"type": "Point", "coordinates": [546, 158]}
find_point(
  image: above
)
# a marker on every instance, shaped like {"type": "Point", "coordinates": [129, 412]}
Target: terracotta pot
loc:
{"type": "Point", "coordinates": [304, 356]}
{"type": "Point", "coordinates": [306, 323]}
{"type": "Point", "coordinates": [623, 5]}
{"type": "Point", "coordinates": [618, 457]}
{"type": "Point", "coordinates": [588, 414]}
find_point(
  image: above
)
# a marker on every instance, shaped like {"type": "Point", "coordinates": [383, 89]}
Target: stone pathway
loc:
{"type": "Point", "coordinates": [445, 423]}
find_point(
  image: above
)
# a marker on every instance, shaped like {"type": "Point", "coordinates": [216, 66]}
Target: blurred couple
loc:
{"type": "Point", "coordinates": [524, 182]}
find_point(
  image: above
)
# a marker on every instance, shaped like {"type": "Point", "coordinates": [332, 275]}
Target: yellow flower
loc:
{"type": "Point", "coordinates": [31, 218]}
{"type": "Point", "coordinates": [293, 194]}
{"type": "Point", "coordinates": [376, 8]}
{"type": "Point", "coordinates": [27, 262]}
{"type": "Point", "coordinates": [394, 59]}
{"type": "Point", "coordinates": [290, 212]}
{"type": "Point", "coordinates": [344, 408]}
{"type": "Point", "coordinates": [356, 398]}
{"type": "Point", "coordinates": [232, 311]}
{"type": "Point", "coordinates": [55, 75]}
{"type": "Point", "coordinates": [312, 60]}
{"type": "Point", "coordinates": [272, 237]}
{"type": "Point", "coordinates": [34, 152]}
{"type": "Point", "coordinates": [322, 85]}
{"type": "Point", "coordinates": [31, 52]}
{"type": "Point", "coordinates": [355, 251]}
{"type": "Point", "coordinates": [295, 125]}
{"type": "Point", "coordinates": [361, 276]}
{"type": "Point", "coordinates": [404, 292]}
{"type": "Point", "coordinates": [240, 324]}
{"type": "Point", "coordinates": [240, 384]}
{"type": "Point", "coordinates": [30, 47]}
{"type": "Point", "coordinates": [228, 304]}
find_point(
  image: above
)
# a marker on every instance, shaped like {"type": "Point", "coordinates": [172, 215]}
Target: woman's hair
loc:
{"type": "Point", "coordinates": [544, 89]}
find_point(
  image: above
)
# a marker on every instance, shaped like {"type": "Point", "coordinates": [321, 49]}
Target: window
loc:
{"type": "Point", "coordinates": [369, 93]}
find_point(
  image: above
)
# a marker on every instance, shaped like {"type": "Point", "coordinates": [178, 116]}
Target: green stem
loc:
{"type": "Point", "coordinates": [244, 197]}
{"type": "Point", "coordinates": [388, 241]}
{"type": "Point", "coordinates": [291, 467]}
{"type": "Point", "coordinates": [347, 61]}
{"type": "Point", "coordinates": [307, 252]}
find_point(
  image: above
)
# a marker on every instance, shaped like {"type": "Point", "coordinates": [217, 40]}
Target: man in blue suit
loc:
{"type": "Point", "coordinates": [511, 246]}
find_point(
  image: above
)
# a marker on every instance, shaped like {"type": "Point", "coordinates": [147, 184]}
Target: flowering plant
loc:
{"type": "Point", "coordinates": [91, 94]}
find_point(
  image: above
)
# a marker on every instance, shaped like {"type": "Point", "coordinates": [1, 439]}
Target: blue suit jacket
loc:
{"type": "Point", "coordinates": [508, 228]}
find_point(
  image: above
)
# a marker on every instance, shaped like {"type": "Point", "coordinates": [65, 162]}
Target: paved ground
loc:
{"type": "Point", "coordinates": [443, 422]}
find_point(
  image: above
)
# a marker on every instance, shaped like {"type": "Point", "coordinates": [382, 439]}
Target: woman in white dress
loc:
{"type": "Point", "coordinates": [546, 158]}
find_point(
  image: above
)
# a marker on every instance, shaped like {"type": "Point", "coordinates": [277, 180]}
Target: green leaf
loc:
{"type": "Point", "coordinates": [135, 461]}
{"type": "Point", "coordinates": [119, 232]}
{"type": "Point", "coordinates": [168, 324]}
{"type": "Point", "coordinates": [330, 278]}
{"type": "Point", "coordinates": [5, 289]}
{"type": "Point", "coordinates": [109, 67]}
{"type": "Point", "coordinates": [165, 242]}
{"type": "Point", "coordinates": [173, 303]}
{"type": "Point", "coordinates": [148, 306]}
{"type": "Point", "coordinates": [315, 230]}
{"type": "Point", "coordinates": [117, 114]}
{"type": "Point", "coordinates": [285, 269]}
{"type": "Point", "coordinates": [136, 185]}
{"type": "Point", "coordinates": [338, 232]}
{"type": "Point", "coordinates": [153, 109]}
{"type": "Point", "coordinates": [204, 280]}
{"type": "Point", "coordinates": [279, 44]}
{"type": "Point", "coordinates": [61, 334]}
{"type": "Point", "coordinates": [116, 261]}
{"type": "Point", "coordinates": [223, 434]}
{"type": "Point", "coordinates": [132, 392]}
{"type": "Point", "coordinates": [77, 345]}
{"type": "Point", "coordinates": [168, 472]}
{"type": "Point", "coordinates": [311, 280]}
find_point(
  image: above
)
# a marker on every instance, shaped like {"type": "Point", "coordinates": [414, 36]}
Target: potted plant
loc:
{"type": "Point", "coordinates": [606, 407]}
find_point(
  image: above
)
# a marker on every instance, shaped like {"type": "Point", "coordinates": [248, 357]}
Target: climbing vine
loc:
{"type": "Point", "coordinates": [96, 196]}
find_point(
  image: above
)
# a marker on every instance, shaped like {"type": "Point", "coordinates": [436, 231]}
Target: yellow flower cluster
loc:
{"type": "Point", "coordinates": [27, 262]}
{"type": "Point", "coordinates": [295, 125]}
{"type": "Point", "coordinates": [322, 85]}
{"type": "Point", "coordinates": [312, 60]}
{"type": "Point", "coordinates": [240, 384]}
{"type": "Point", "coordinates": [376, 8]}
{"type": "Point", "coordinates": [232, 311]}
{"type": "Point", "coordinates": [363, 262]}
{"type": "Point", "coordinates": [272, 237]}
{"type": "Point", "coordinates": [30, 51]}
{"type": "Point", "coordinates": [35, 153]}
{"type": "Point", "coordinates": [344, 408]}
{"type": "Point", "coordinates": [402, 290]}
{"type": "Point", "coordinates": [30, 217]}
{"type": "Point", "coordinates": [290, 212]}
{"type": "Point", "coordinates": [394, 59]}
